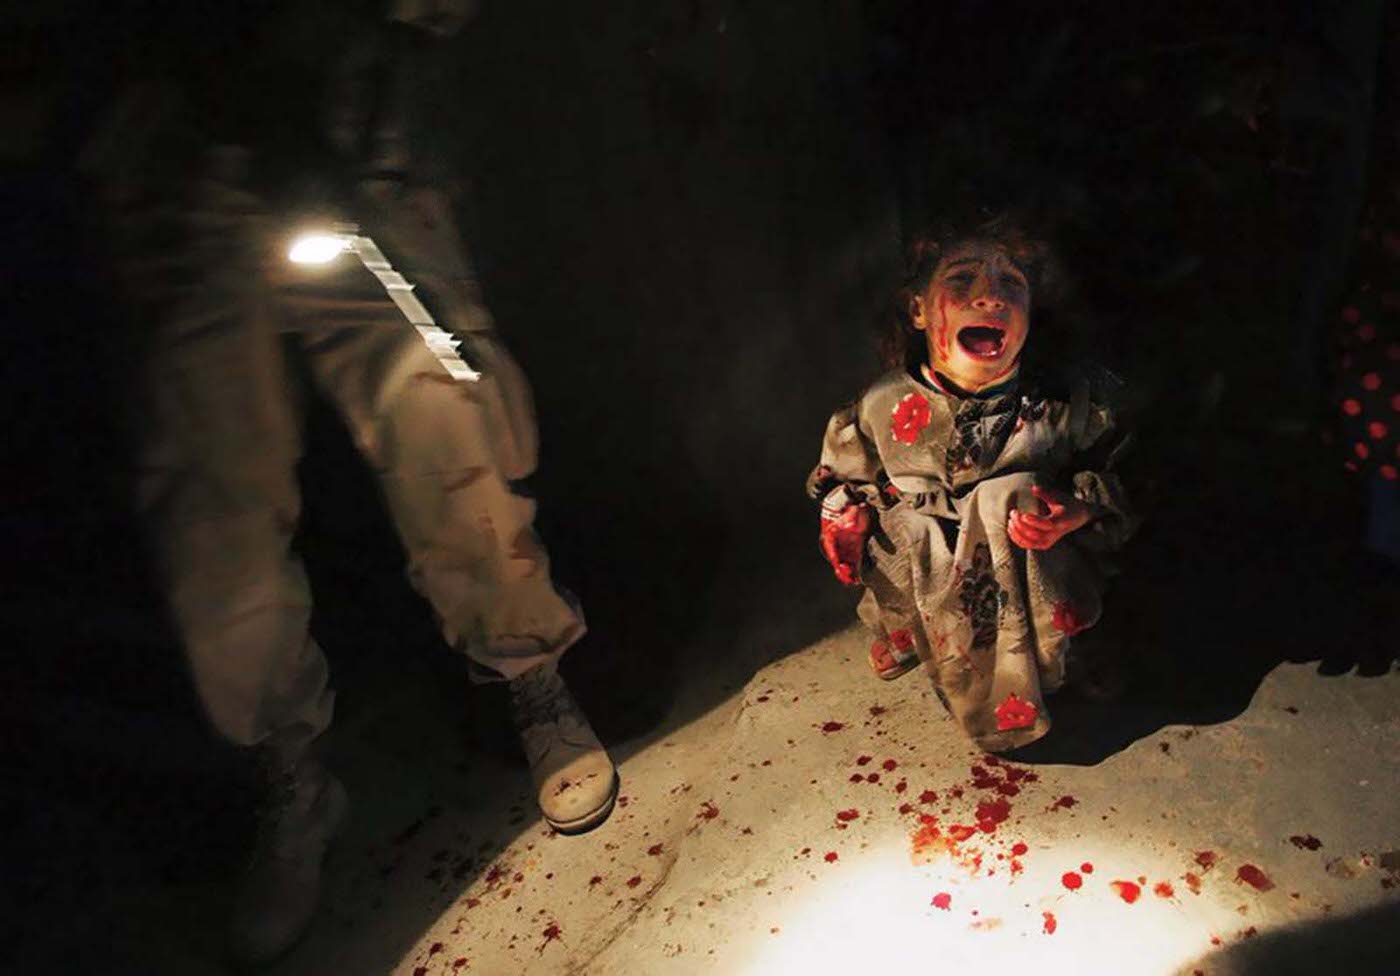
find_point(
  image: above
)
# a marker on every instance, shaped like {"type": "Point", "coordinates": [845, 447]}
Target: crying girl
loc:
{"type": "Point", "coordinates": [973, 494]}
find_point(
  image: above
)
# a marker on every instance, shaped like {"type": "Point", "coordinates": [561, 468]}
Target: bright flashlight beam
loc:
{"type": "Point", "coordinates": [318, 248]}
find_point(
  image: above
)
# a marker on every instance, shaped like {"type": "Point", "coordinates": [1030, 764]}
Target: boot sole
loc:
{"type": "Point", "coordinates": [581, 825]}
{"type": "Point", "coordinates": [898, 671]}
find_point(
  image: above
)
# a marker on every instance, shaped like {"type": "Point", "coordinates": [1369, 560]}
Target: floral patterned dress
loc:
{"type": "Point", "coordinates": [991, 621]}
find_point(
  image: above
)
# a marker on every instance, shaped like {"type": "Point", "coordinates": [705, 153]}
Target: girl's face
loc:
{"type": "Point", "coordinates": [975, 315]}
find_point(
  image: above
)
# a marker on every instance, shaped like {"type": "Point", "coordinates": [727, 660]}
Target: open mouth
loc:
{"type": "Point", "coordinates": [982, 341]}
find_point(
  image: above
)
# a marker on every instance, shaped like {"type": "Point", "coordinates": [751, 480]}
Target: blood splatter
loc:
{"type": "Point", "coordinates": [1126, 890]}
{"type": "Point", "coordinates": [597, 879]}
{"type": "Point", "coordinates": [928, 796]}
{"type": "Point", "coordinates": [708, 811]}
{"type": "Point", "coordinates": [434, 949]}
{"type": "Point", "coordinates": [873, 778]}
{"type": "Point", "coordinates": [1193, 881]}
{"type": "Point", "coordinates": [863, 760]}
{"type": "Point", "coordinates": [1163, 890]}
{"type": "Point", "coordinates": [1087, 868]}
{"type": "Point", "coordinates": [983, 780]}
{"type": "Point", "coordinates": [901, 786]}
{"type": "Point", "coordinates": [961, 832]}
{"type": "Point", "coordinates": [926, 838]}
{"type": "Point", "coordinates": [942, 900]}
{"type": "Point", "coordinates": [1305, 842]}
{"type": "Point", "coordinates": [831, 857]}
{"type": "Point", "coordinates": [1018, 849]}
{"type": "Point", "coordinates": [1207, 859]}
{"type": "Point", "coordinates": [1050, 924]}
{"type": "Point", "coordinates": [877, 710]}
{"type": "Point", "coordinates": [992, 812]}
{"type": "Point", "coordinates": [1255, 878]}
{"type": "Point", "coordinates": [655, 849]}
{"type": "Point", "coordinates": [1064, 803]}
{"type": "Point", "coordinates": [906, 808]}
{"type": "Point", "coordinates": [551, 933]}
{"type": "Point", "coordinates": [889, 765]}
{"type": "Point", "coordinates": [857, 778]}
{"type": "Point", "coordinates": [633, 881]}
{"type": "Point", "coordinates": [846, 816]}
{"type": "Point", "coordinates": [1071, 880]}
{"type": "Point", "coordinates": [833, 726]}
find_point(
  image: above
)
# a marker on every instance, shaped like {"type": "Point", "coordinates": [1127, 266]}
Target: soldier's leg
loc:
{"type": "Point", "coordinates": [221, 438]}
{"type": "Point", "coordinates": [437, 446]}
{"type": "Point", "coordinates": [218, 491]}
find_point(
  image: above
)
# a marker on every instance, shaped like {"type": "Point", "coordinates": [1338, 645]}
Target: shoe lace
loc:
{"type": "Point", "coordinates": [540, 697]}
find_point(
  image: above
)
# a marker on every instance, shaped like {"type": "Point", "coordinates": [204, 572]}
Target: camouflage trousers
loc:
{"type": "Point", "coordinates": [221, 435]}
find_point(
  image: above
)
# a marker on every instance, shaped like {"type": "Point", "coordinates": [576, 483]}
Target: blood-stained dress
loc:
{"type": "Point", "coordinates": [992, 622]}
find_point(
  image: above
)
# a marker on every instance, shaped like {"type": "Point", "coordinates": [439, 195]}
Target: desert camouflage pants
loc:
{"type": "Point", "coordinates": [222, 436]}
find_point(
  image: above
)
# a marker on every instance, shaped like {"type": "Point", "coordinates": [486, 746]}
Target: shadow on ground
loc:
{"type": "Point", "coordinates": [1366, 943]}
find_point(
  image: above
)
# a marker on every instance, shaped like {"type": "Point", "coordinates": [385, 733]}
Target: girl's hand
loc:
{"type": "Point", "coordinates": [1065, 514]}
{"type": "Point", "coordinates": [843, 536]}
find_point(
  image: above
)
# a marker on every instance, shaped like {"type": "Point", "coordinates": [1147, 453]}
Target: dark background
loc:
{"type": "Point", "coordinates": [687, 216]}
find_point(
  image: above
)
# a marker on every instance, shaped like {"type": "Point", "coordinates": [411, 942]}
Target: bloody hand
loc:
{"type": "Point", "coordinates": [843, 536]}
{"type": "Point", "coordinates": [1064, 514]}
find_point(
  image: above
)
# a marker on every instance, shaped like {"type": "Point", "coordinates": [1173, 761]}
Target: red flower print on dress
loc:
{"type": "Point", "coordinates": [911, 415]}
{"type": "Point", "coordinates": [1067, 621]}
{"type": "Point", "coordinates": [1015, 713]}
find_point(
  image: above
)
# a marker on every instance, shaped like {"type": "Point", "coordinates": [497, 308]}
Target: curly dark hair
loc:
{"type": "Point", "coordinates": [900, 344]}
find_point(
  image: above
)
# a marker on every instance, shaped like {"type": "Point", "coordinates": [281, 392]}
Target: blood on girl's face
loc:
{"type": "Point", "coordinates": [975, 314]}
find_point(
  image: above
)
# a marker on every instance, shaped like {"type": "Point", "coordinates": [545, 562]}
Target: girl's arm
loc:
{"type": "Point", "coordinates": [1100, 446]}
{"type": "Point", "coordinates": [846, 482]}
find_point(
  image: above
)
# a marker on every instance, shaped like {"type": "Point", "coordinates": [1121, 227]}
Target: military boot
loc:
{"type": "Point", "coordinates": [302, 811]}
{"type": "Point", "coordinates": [576, 783]}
